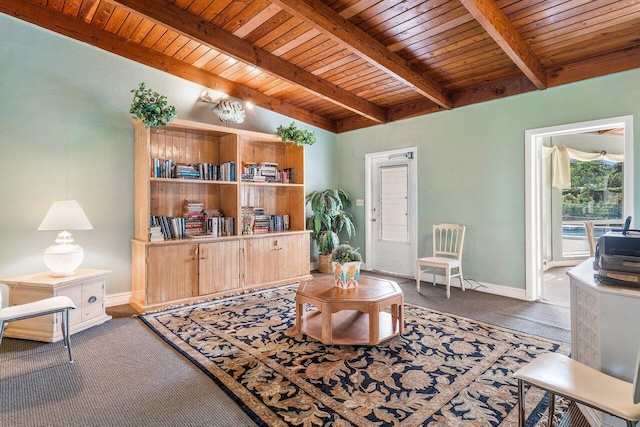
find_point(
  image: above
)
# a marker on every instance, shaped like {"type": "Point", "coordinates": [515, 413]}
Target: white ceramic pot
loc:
{"type": "Point", "coordinates": [346, 275]}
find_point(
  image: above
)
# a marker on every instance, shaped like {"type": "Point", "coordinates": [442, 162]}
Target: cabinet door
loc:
{"type": "Point", "coordinates": [219, 266]}
{"type": "Point", "coordinates": [172, 272]}
{"type": "Point", "coordinates": [294, 255]}
{"type": "Point", "coordinates": [276, 258]}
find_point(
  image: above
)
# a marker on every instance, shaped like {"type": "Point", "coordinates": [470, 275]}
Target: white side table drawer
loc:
{"type": "Point", "coordinates": [92, 304]}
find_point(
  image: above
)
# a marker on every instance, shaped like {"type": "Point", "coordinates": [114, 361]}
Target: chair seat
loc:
{"type": "Point", "coordinates": [32, 309]}
{"type": "Point", "coordinates": [434, 261]}
{"type": "Point", "coordinates": [564, 376]}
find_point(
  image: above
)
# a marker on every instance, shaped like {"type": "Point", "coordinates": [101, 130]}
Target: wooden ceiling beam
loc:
{"type": "Point", "coordinates": [77, 29]}
{"type": "Point", "coordinates": [196, 28]}
{"type": "Point", "coordinates": [614, 62]}
{"type": "Point", "coordinates": [496, 23]}
{"type": "Point", "coordinates": [333, 25]}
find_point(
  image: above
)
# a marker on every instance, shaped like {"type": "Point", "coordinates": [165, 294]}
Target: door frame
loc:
{"type": "Point", "coordinates": [368, 205]}
{"type": "Point", "coordinates": [533, 188]}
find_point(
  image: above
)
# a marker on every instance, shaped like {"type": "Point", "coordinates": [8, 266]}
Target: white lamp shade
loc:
{"type": "Point", "coordinates": [65, 215]}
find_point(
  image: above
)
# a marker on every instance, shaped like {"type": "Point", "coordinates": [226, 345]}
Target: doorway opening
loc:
{"type": "Point", "coordinates": [553, 214]}
{"type": "Point", "coordinates": [390, 211]}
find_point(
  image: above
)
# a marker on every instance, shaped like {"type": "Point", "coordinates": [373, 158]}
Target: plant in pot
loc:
{"type": "Point", "coordinates": [328, 219]}
{"type": "Point", "coordinates": [296, 136]}
{"type": "Point", "coordinates": [346, 262]}
{"type": "Point", "coordinates": [151, 107]}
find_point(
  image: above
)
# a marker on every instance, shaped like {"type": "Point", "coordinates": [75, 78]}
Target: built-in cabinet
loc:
{"type": "Point", "coordinates": [185, 270]}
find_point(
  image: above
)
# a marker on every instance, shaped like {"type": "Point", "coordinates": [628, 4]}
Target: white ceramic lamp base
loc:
{"type": "Point", "coordinates": [63, 259]}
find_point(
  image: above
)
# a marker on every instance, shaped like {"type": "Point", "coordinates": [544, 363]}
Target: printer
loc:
{"type": "Point", "coordinates": [617, 257]}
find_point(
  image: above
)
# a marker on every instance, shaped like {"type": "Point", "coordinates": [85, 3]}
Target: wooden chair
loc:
{"type": "Point", "coordinates": [561, 375]}
{"type": "Point", "coordinates": [447, 254]}
{"type": "Point", "coordinates": [59, 304]}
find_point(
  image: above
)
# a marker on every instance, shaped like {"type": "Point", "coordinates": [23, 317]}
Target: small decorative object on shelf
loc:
{"type": "Point", "coordinates": [297, 136]}
{"type": "Point", "coordinates": [151, 107]}
{"type": "Point", "coordinates": [346, 262]}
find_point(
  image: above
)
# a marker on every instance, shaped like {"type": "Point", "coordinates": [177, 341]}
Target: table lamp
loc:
{"type": "Point", "coordinates": [62, 259]}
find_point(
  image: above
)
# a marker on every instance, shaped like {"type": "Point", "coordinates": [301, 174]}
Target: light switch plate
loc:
{"type": "Point", "coordinates": [359, 202]}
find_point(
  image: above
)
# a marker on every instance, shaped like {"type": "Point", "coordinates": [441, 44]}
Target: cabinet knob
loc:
{"type": "Point", "coordinates": [92, 299]}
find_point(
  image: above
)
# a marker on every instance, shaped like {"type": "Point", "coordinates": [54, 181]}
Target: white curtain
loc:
{"type": "Point", "coordinates": [561, 157]}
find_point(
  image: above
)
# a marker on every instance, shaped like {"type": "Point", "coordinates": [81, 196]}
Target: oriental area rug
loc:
{"type": "Point", "coordinates": [443, 371]}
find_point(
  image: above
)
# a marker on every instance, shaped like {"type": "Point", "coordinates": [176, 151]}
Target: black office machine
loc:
{"type": "Point", "coordinates": [617, 257]}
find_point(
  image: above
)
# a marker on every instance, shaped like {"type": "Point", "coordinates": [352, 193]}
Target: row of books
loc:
{"type": "Point", "coordinates": [258, 222]}
{"type": "Point", "coordinates": [165, 168]}
{"type": "Point", "coordinates": [171, 227]}
{"type": "Point", "coordinates": [166, 228]}
{"type": "Point", "coordinates": [266, 172]}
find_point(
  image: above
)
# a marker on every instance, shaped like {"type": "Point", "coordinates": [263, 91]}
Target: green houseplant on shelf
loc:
{"type": "Point", "coordinates": [346, 261]}
{"type": "Point", "coordinates": [296, 136]}
{"type": "Point", "coordinates": [151, 107]}
{"type": "Point", "coordinates": [327, 220]}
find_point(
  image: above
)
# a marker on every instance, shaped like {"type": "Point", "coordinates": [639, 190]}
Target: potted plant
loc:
{"type": "Point", "coordinates": [296, 136]}
{"type": "Point", "coordinates": [151, 107]}
{"type": "Point", "coordinates": [328, 219]}
{"type": "Point", "coordinates": [346, 266]}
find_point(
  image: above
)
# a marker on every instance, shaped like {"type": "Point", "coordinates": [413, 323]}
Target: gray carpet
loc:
{"type": "Point", "coordinates": [124, 375]}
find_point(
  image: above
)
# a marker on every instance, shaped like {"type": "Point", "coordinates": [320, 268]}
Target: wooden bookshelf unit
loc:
{"type": "Point", "coordinates": [185, 270]}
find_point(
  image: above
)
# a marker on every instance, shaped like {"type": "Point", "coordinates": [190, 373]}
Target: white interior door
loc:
{"type": "Point", "coordinates": [391, 216]}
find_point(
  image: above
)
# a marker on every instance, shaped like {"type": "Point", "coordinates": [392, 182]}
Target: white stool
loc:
{"type": "Point", "coordinates": [60, 304]}
{"type": "Point", "coordinates": [561, 375]}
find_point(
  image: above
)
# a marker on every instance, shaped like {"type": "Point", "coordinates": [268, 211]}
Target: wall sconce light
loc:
{"type": "Point", "coordinates": [62, 259]}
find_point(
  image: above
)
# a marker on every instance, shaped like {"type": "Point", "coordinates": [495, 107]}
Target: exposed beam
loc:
{"type": "Point", "coordinates": [614, 62]}
{"type": "Point", "coordinates": [342, 31]}
{"type": "Point", "coordinates": [354, 123]}
{"type": "Point", "coordinates": [495, 22]}
{"type": "Point", "coordinates": [412, 109]}
{"type": "Point", "coordinates": [196, 28]}
{"type": "Point", "coordinates": [45, 17]}
{"type": "Point", "coordinates": [493, 90]}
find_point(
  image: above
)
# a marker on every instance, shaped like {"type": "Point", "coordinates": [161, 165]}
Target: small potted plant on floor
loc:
{"type": "Point", "coordinates": [328, 219]}
{"type": "Point", "coordinates": [346, 262]}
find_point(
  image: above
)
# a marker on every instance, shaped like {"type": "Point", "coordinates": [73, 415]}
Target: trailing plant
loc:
{"type": "Point", "coordinates": [297, 136]}
{"type": "Point", "coordinates": [346, 253]}
{"type": "Point", "coordinates": [151, 107]}
{"type": "Point", "coordinates": [329, 218]}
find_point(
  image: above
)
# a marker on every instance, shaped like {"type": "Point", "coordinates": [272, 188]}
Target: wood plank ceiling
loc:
{"type": "Point", "coordinates": [347, 64]}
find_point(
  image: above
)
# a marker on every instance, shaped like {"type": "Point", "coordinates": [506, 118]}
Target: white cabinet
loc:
{"type": "Point", "coordinates": [86, 289]}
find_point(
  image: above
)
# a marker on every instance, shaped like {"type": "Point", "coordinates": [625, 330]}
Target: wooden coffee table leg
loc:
{"type": "Point", "coordinates": [374, 323]}
{"type": "Point", "coordinates": [326, 334]}
{"type": "Point", "coordinates": [299, 312]}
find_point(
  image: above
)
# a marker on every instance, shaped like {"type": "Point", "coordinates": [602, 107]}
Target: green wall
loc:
{"type": "Point", "coordinates": [471, 164]}
{"type": "Point", "coordinates": [66, 133]}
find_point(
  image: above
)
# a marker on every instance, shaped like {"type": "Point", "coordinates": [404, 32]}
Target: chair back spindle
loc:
{"type": "Point", "coordinates": [448, 240]}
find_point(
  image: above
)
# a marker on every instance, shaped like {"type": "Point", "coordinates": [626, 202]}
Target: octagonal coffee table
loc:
{"type": "Point", "coordinates": [350, 316]}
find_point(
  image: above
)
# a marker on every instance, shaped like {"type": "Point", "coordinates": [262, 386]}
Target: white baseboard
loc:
{"type": "Point", "coordinates": [490, 288]}
{"type": "Point", "coordinates": [117, 299]}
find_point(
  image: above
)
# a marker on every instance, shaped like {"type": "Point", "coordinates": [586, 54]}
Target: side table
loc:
{"type": "Point", "coordinates": [86, 289]}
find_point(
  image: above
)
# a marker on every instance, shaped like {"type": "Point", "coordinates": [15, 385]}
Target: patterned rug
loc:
{"type": "Point", "coordinates": [443, 371]}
